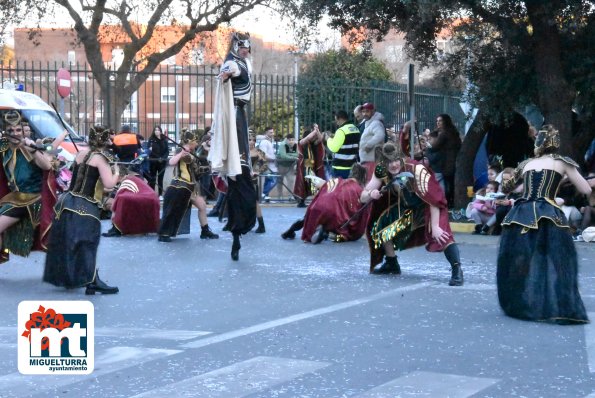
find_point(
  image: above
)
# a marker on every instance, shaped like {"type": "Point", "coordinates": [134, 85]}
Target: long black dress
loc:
{"type": "Point", "coordinates": [537, 261]}
{"type": "Point", "coordinates": [76, 230]}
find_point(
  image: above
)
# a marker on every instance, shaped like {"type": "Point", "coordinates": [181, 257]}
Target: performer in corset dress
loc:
{"type": "Point", "coordinates": [537, 262]}
{"type": "Point", "coordinates": [75, 232]}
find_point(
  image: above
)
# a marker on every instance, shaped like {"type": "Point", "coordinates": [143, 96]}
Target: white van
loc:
{"type": "Point", "coordinates": [42, 119]}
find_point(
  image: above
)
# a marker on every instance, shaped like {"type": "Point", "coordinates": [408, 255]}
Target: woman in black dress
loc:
{"type": "Point", "coordinates": [537, 262]}
{"type": "Point", "coordinates": [159, 152]}
{"type": "Point", "coordinates": [75, 232]}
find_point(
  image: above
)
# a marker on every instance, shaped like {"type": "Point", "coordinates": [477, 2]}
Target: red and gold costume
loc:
{"type": "Point", "coordinates": [402, 214]}
{"type": "Point", "coordinates": [135, 207]}
{"type": "Point", "coordinates": [335, 204]}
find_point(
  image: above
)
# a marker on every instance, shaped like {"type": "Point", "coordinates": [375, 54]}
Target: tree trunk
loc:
{"type": "Point", "coordinates": [465, 160]}
{"type": "Point", "coordinates": [555, 95]}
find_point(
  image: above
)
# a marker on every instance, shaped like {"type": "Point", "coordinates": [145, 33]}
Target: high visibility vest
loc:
{"type": "Point", "coordinates": [347, 154]}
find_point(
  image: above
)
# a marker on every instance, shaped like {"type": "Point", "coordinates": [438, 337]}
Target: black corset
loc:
{"type": "Point", "coordinates": [541, 184]}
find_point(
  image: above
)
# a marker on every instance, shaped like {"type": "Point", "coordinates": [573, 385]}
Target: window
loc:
{"type": "Point", "coordinates": [153, 115]}
{"type": "Point", "coordinates": [197, 95]}
{"type": "Point", "coordinates": [168, 94]}
{"type": "Point", "coordinates": [71, 57]}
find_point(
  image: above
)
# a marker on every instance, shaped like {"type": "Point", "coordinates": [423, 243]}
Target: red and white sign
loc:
{"type": "Point", "coordinates": [63, 82]}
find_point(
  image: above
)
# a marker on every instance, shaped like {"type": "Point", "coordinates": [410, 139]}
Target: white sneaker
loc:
{"type": "Point", "coordinates": [578, 238]}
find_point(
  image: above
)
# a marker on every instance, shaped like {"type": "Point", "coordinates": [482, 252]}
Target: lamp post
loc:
{"type": "Point", "coordinates": [296, 122]}
{"type": "Point", "coordinates": [177, 102]}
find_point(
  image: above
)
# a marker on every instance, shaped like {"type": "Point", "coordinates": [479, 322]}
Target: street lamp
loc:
{"type": "Point", "coordinates": [296, 123]}
{"type": "Point", "coordinates": [177, 102]}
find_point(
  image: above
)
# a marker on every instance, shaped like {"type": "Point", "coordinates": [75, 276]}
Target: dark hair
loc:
{"type": "Point", "coordinates": [289, 136]}
{"type": "Point", "coordinates": [433, 134]}
{"type": "Point", "coordinates": [496, 167]}
{"type": "Point", "coordinates": [341, 115]}
{"type": "Point", "coordinates": [496, 184]}
{"type": "Point", "coordinates": [268, 128]}
{"type": "Point", "coordinates": [359, 173]}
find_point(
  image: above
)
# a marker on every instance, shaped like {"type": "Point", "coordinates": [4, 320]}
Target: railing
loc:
{"type": "Point", "coordinates": [273, 103]}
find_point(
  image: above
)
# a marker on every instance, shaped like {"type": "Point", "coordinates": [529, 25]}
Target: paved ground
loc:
{"type": "Point", "coordinates": [300, 320]}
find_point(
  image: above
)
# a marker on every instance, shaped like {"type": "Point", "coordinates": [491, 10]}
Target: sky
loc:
{"type": "Point", "coordinates": [261, 21]}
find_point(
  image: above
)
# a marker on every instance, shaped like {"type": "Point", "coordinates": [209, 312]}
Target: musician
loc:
{"type": "Point", "coordinates": [75, 233]}
{"type": "Point", "coordinates": [408, 210]}
{"type": "Point", "coordinates": [181, 193]}
{"type": "Point", "coordinates": [230, 150]}
{"type": "Point", "coordinates": [27, 191]}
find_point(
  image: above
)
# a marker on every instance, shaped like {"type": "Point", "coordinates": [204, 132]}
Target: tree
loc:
{"type": "Point", "coordinates": [276, 113]}
{"type": "Point", "coordinates": [141, 54]}
{"type": "Point", "coordinates": [336, 80]}
{"type": "Point", "coordinates": [513, 53]}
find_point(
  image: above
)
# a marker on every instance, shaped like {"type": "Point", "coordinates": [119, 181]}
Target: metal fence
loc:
{"type": "Point", "coordinates": [188, 92]}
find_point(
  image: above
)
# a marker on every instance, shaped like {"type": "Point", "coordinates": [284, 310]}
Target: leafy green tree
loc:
{"type": "Point", "coordinates": [512, 52]}
{"type": "Point", "coordinates": [336, 80]}
{"type": "Point", "coordinates": [273, 113]}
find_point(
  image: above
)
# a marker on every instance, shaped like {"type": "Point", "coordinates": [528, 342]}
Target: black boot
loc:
{"type": "Point", "coordinates": [113, 231]}
{"type": "Point", "coordinates": [301, 203]}
{"type": "Point", "coordinates": [206, 233]}
{"type": "Point", "coordinates": [485, 230]}
{"type": "Point", "coordinates": [390, 266]}
{"type": "Point", "coordinates": [164, 238]}
{"type": "Point", "coordinates": [319, 235]}
{"type": "Point", "coordinates": [477, 229]}
{"type": "Point", "coordinates": [235, 247]}
{"type": "Point", "coordinates": [456, 278]}
{"type": "Point", "coordinates": [290, 233]}
{"type": "Point", "coordinates": [260, 229]}
{"type": "Point", "coordinates": [99, 286]}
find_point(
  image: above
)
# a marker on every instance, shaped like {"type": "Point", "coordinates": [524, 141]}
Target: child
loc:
{"type": "Point", "coordinates": [482, 208]}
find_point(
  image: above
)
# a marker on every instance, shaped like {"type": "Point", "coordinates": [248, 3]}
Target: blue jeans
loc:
{"type": "Point", "coordinates": [269, 184]}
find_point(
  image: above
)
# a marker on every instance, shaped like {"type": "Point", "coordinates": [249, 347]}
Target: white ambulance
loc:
{"type": "Point", "coordinates": [42, 119]}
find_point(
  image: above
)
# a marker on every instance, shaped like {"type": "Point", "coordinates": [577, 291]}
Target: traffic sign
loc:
{"type": "Point", "coordinates": [63, 82]}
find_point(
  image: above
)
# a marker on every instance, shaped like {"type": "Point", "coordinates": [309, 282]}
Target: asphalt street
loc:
{"type": "Point", "coordinates": [292, 319]}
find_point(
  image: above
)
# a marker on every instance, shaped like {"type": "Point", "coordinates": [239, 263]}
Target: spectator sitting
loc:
{"type": "Point", "coordinates": [504, 205]}
{"type": "Point", "coordinates": [483, 208]}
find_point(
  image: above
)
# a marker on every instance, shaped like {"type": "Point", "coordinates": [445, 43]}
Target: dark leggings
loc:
{"type": "Point", "coordinates": [452, 254]}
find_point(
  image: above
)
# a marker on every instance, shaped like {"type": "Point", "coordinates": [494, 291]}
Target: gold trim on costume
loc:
{"type": "Point", "coordinates": [393, 229]}
{"type": "Point", "coordinates": [20, 199]}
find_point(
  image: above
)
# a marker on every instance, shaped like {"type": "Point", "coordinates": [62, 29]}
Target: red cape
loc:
{"type": "Point", "coordinates": [335, 203]}
{"type": "Point", "coordinates": [136, 212]}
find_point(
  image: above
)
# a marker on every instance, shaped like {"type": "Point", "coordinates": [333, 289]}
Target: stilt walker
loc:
{"type": "Point", "coordinates": [230, 153]}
